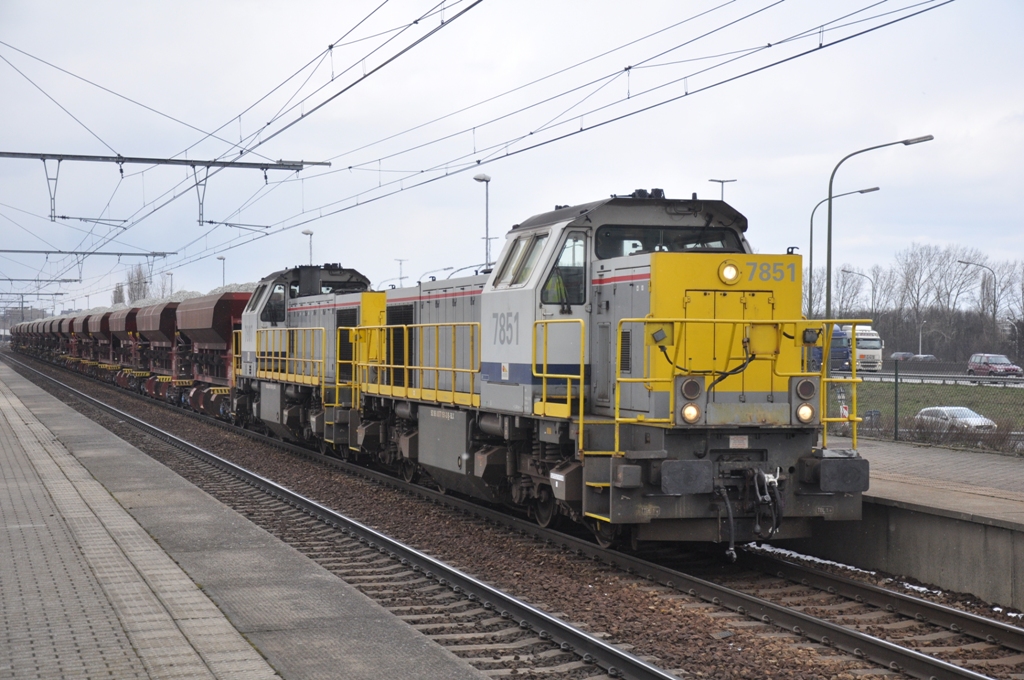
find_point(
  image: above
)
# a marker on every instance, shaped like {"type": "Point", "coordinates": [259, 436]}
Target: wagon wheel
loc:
{"type": "Point", "coordinates": [409, 470]}
{"type": "Point", "coordinates": [545, 509]}
{"type": "Point", "coordinates": [326, 448]}
{"type": "Point", "coordinates": [604, 533]}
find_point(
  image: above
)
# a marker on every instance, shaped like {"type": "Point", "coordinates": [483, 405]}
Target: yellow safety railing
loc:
{"type": "Point", "coordinates": [345, 372]}
{"type": "Point", "coordinates": [293, 355]}
{"type": "Point", "coordinates": [236, 355]}
{"type": "Point", "coordinates": [557, 408]}
{"type": "Point", "coordinates": [379, 371]}
{"type": "Point", "coordinates": [827, 379]}
{"type": "Point", "coordinates": [762, 338]}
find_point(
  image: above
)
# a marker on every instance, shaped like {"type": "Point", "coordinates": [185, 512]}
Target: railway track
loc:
{"type": "Point", "coordinates": [492, 630]}
{"type": "Point", "coordinates": [790, 610]}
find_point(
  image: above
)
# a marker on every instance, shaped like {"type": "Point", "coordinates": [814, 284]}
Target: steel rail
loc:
{"type": "Point", "coordinates": [616, 662]}
{"type": "Point", "coordinates": [882, 652]}
{"type": "Point", "coordinates": [955, 620]}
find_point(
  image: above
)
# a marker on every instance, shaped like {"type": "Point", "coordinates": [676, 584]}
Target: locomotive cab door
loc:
{"type": "Point", "coordinates": [266, 309]}
{"type": "Point", "coordinates": [564, 295]}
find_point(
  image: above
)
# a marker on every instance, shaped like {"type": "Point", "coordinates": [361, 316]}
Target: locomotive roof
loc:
{"type": "Point", "coordinates": [330, 271]}
{"type": "Point", "coordinates": [718, 212]}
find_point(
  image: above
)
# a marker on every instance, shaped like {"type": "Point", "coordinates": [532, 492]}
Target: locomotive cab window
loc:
{"type": "Point", "coordinates": [567, 282]}
{"type": "Point", "coordinates": [274, 310]}
{"type": "Point", "coordinates": [521, 260]}
{"type": "Point", "coordinates": [620, 241]}
{"type": "Point", "coordinates": [255, 299]}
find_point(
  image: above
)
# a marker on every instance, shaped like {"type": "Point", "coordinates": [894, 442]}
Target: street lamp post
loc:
{"type": "Point", "coordinates": [309, 233]}
{"type": "Point", "coordinates": [486, 179]}
{"type": "Point", "coordinates": [995, 287]}
{"type": "Point", "coordinates": [401, 276]}
{"type": "Point", "coordinates": [810, 249]}
{"type": "Point", "coordinates": [223, 265]}
{"type": "Point", "coordinates": [1016, 340]}
{"type": "Point", "coordinates": [919, 330]}
{"type": "Point", "coordinates": [721, 184]}
{"type": "Point", "coordinates": [828, 255]}
{"type": "Point", "coordinates": [848, 271]}
{"type": "Point", "coordinates": [171, 275]}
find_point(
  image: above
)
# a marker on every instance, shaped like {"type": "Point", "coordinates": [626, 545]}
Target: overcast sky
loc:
{"type": "Point", "coordinates": [740, 90]}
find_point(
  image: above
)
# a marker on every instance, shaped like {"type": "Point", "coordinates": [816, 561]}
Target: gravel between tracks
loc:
{"type": "Point", "coordinates": [674, 629]}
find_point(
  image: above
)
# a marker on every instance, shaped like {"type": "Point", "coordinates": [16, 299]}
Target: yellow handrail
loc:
{"type": "Point", "coordinates": [352, 384]}
{"type": "Point", "coordinates": [558, 409]}
{"type": "Point", "coordinates": [744, 333]}
{"type": "Point", "coordinates": [290, 355]}
{"type": "Point", "coordinates": [236, 355]}
{"type": "Point", "coordinates": [378, 368]}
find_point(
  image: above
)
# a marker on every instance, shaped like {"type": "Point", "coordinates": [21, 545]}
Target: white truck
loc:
{"type": "Point", "coordinates": [869, 347]}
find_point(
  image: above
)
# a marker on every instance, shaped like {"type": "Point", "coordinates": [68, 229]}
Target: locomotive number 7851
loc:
{"type": "Point", "coordinates": [506, 328]}
{"type": "Point", "coordinates": [766, 271]}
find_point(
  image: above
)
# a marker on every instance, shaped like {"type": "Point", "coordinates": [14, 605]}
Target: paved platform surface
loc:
{"type": "Point", "coordinates": [101, 550]}
{"type": "Point", "coordinates": [985, 488]}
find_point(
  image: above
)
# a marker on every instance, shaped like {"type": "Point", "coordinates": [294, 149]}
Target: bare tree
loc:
{"type": "Point", "coordinates": [164, 290]}
{"type": "Point", "coordinates": [914, 267]}
{"type": "Point", "coordinates": [814, 308]}
{"type": "Point", "coordinates": [848, 289]}
{"type": "Point", "coordinates": [1006, 274]}
{"type": "Point", "coordinates": [1015, 299]}
{"type": "Point", "coordinates": [886, 287]}
{"type": "Point", "coordinates": [118, 296]}
{"type": "Point", "coordinates": [950, 280]}
{"type": "Point", "coordinates": [138, 284]}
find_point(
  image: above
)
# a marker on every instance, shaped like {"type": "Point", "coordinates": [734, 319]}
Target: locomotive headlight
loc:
{"type": "Point", "coordinates": [805, 413]}
{"type": "Point", "coordinates": [690, 413]}
{"type": "Point", "coordinates": [729, 272]}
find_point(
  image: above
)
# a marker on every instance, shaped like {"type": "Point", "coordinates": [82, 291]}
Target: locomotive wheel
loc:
{"type": "Point", "coordinates": [604, 533]}
{"type": "Point", "coordinates": [545, 509]}
{"type": "Point", "coordinates": [326, 448]}
{"type": "Point", "coordinates": [409, 471]}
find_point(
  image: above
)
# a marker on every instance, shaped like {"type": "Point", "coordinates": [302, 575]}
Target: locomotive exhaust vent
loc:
{"type": "Point", "coordinates": [625, 351]}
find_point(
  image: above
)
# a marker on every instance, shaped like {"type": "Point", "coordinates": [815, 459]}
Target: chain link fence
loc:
{"type": "Point", "coordinates": [935, 403]}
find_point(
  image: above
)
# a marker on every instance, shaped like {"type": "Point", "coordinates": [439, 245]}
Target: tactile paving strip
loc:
{"type": "Point", "coordinates": [84, 591]}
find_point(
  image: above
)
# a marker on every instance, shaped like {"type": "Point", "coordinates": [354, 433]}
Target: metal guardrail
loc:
{"type": "Point", "coordinates": [292, 355]}
{"type": "Point", "coordinates": [758, 339]}
{"type": "Point", "coordinates": [378, 369]}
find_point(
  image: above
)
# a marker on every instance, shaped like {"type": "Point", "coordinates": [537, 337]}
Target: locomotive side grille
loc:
{"type": "Point", "coordinates": [626, 351]}
{"type": "Point", "coordinates": [400, 315]}
{"type": "Point", "coordinates": [347, 318]}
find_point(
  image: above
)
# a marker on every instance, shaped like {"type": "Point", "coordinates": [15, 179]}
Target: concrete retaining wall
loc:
{"type": "Point", "coordinates": [952, 550]}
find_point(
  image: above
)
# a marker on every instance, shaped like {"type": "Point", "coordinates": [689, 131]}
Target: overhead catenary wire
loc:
{"type": "Point", "coordinates": [502, 147]}
{"type": "Point", "coordinates": [363, 201]}
{"type": "Point", "coordinates": [242, 239]}
{"type": "Point", "coordinates": [248, 238]}
{"type": "Point", "coordinates": [59, 105]}
{"type": "Point", "coordinates": [364, 77]}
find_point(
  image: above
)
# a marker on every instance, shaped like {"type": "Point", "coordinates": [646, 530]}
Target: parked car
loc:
{"type": "Point", "coordinates": [923, 357]}
{"type": "Point", "coordinates": [901, 356]}
{"type": "Point", "coordinates": [953, 418]}
{"type": "Point", "coordinates": [991, 364]}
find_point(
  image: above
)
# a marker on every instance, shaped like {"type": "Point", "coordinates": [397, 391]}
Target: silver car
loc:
{"type": "Point", "coordinates": [955, 418]}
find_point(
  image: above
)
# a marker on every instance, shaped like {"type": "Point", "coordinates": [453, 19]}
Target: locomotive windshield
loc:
{"type": "Point", "coordinates": [521, 260]}
{"type": "Point", "coordinates": [619, 241]}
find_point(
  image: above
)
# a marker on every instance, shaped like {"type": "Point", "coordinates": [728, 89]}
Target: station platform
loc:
{"type": "Point", "coordinates": [953, 518]}
{"type": "Point", "coordinates": [102, 551]}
